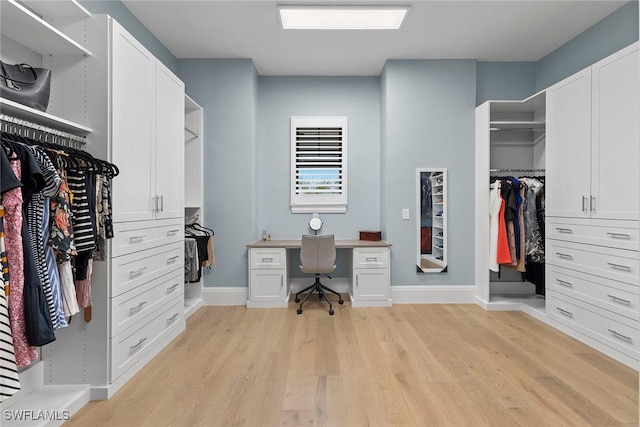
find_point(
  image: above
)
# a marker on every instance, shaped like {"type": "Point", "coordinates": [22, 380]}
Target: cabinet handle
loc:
{"type": "Point", "coordinates": [618, 299]}
{"type": "Point", "coordinates": [620, 236]}
{"type": "Point", "coordinates": [172, 288]}
{"type": "Point", "coordinates": [172, 232]}
{"type": "Point", "coordinates": [357, 280]}
{"type": "Point", "coordinates": [155, 204]}
{"type": "Point", "coordinates": [137, 346]}
{"type": "Point", "coordinates": [371, 258]}
{"type": "Point", "coordinates": [584, 203]}
{"type": "Point", "coordinates": [564, 283]}
{"type": "Point", "coordinates": [620, 336]}
{"type": "Point", "coordinates": [565, 256]}
{"type": "Point", "coordinates": [161, 203]}
{"type": "Point", "coordinates": [592, 204]}
{"type": "Point", "coordinates": [281, 282]}
{"type": "Point", "coordinates": [134, 239]}
{"type": "Point", "coordinates": [619, 266]}
{"type": "Point", "coordinates": [564, 230]}
{"type": "Point", "coordinates": [172, 259]}
{"type": "Point", "coordinates": [565, 312]}
{"type": "Point", "coordinates": [172, 318]}
{"type": "Point", "coordinates": [137, 307]}
{"type": "Point", "coordinates": [138, 271]}
{"type": "Point", "coordinates": [270, 259]}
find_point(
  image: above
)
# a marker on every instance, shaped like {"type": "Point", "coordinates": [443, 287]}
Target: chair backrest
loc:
{"type": "Point", "coordinates": [318, 254]}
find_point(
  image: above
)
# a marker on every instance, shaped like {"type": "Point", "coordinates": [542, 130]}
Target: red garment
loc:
{"type": "Point", "coordinates": [504, 253]}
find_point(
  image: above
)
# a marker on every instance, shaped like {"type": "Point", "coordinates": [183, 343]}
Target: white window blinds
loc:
{"type": "Point", "coordinates": [318, 164]}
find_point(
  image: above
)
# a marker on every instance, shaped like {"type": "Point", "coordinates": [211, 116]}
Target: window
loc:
{"type": "Point", "coordinates": [318, 164]}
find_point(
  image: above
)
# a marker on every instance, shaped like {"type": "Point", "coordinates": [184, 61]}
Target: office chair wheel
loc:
{"type": "Point", "coordinates": [299, 311]}
{"type": "Point", "coordinates": [331, 311]}
{"type": "Point", "coordinates": [297, 300]}
{"type": "Point", "coordinates": [340, 301]}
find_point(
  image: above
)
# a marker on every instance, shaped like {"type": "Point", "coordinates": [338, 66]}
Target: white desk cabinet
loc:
{"type": "Point", "coordinates": [269, 284]}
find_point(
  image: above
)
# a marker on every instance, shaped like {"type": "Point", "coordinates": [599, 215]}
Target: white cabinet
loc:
{"type": "Point", "coordinates": [268, 278]}
{"type": "Point", "coordinates": [593, 130]}
{"type": "Point", "coordinates": [370, 284]}
{"type": "Point", "coordinates": [147, 133]}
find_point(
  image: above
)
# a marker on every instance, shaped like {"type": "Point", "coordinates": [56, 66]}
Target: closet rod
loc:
{"type": "Point", "coordinates": [195, 134]}
{"type": "Point", "coordinates": [9, 121]}
{"type": "Point", "coordinates": [516, 170]}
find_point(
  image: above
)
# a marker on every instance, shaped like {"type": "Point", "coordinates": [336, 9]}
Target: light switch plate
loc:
{"type": "Point", "coordinates": [405, 213]}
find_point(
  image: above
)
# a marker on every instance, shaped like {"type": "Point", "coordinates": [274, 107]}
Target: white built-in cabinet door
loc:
{"type": "Point", "coordinates": [568, 146]}
{"type": "Point", "coordinates": [133, 112]}
{"type": "Point", "coordinates": [615, 137]}
{"type": "Point", "coordinates": [169, 147]}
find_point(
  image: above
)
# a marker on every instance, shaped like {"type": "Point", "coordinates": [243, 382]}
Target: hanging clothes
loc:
{"type": "Point", "coordinates": [204, 255]}
{"type": "Point", "coordinates": [495, 203]}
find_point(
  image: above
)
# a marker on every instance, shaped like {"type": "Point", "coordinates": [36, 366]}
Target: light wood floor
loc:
{"type": "Point", "coordinates": [414, 365]}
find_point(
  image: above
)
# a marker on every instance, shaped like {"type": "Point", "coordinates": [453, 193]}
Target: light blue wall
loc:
{"type": "Point", "coordinates": [227, 91]}
{"type": "Point", "coordinates": [357, 98]}
{"type": "Point", "coordinates": [505, 80]}
{"type": "Point", "coordinates": [611, 34]}
{"type": "Point", "coordinates": [428, 117]}
{"type": "Point", "coordinates": [120, 13]}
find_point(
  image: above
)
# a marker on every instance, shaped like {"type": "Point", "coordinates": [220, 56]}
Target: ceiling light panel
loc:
{"type": "Point", "coordinates": [341, 18]}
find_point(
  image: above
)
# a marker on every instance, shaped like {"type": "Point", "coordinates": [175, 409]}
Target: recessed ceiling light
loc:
{"type": "Point", "coordinates": [342, 17]}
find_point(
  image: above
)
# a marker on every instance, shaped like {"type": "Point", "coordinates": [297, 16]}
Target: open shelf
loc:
{"type": "Point", "coordinates": [516, 125]}
{"type": "Point", "coordinates": [20, 111]}
{"type": "Point", "coordinates": [57, 8]}
{"type": "Point", "coordinates": [28, 29]}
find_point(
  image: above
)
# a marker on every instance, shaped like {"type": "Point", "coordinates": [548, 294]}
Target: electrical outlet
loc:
{"type": "Point", "coordinates": [405, 213]}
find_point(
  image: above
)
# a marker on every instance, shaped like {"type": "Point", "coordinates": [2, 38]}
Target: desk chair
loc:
{"type": "Point", "coordinates": [317, 256]}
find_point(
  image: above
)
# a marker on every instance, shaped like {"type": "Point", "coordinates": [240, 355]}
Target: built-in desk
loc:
{"type": "Point", "coordinates": [269, 284]}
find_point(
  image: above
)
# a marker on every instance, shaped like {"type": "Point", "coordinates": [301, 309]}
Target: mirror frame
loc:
{"type": "Point", "coordinates": [437, 266]}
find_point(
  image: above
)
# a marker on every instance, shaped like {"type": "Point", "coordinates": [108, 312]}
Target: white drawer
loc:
{"type": "Point", "coordinates": [268, 258]}
{"type": "Point", "coordinates": [616, 264]}
{"type": "Point", "coordinates": [615, 234]}
{"type": "Point", "coordinates": [133, 270]}
{"type": "Point", "coordinates": [132, 237]}
{"type": "Point", "coordinates": [136, 305]}
{"type": "Point", "coordinates": [610, 295]}
{"type": "Point", "coordinates": [130, 347]}
{"type": "Point", "coordinates": [617, 333]}
{"type": "Point", "coordinates": [370, 257]}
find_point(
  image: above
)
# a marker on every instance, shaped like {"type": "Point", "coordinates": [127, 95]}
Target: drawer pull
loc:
{"type": "Point", "coordinates": [172, 259]}
{"type": "Point", "coordinates": [172, 232]}
{"type": "Point", "coordinates": [172, 318]}
{"type": "Point", "coordinates": [172, 288]}
{"type": "Point", "coordinates": [138, 271]}
{"type": "Point", "coordinates": [621, 300]}
{"type": "Point", "coordinates": [620, 336]}
{"type": "Point", "coordinates": [564, 256]}
{"type": "Point", "coordinates": [137, 307]}
{"type": "Point", "coordinates": [266, 259]}
{"type": "Point", "coordinates": [136, 239]}
{"type": "Point", "coordinates": [565, 283]}
{"type": "Point", "coordinates": [565, 312]}
{"type": "Point", "coordinates": [619, 236]}
{"type": "Point", "coordinates": [619, 266]}
{"type": "Point", "coordinates": [371, 258]}
{"type": "Point", "coordinates": [137, 346]}
{"type": "Point", "coordinates": [564, 230]}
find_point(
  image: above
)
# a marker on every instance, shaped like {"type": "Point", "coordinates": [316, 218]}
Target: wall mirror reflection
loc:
{"type": "Point", "coordinates": [432, 220]}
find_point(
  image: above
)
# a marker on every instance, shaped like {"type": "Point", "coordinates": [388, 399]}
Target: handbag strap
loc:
{"type": "Point", "coordinates": [4, 74]}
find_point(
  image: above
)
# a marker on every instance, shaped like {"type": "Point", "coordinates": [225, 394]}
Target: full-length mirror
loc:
{"type": "Point", "coordinates": [431, 195]}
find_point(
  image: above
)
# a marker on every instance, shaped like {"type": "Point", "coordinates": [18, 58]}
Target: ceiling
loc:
{"type": "Point", "coordinates": [507, 30]}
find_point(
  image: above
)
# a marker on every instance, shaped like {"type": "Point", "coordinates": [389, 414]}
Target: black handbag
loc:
{"type": "Point", "coordinates": [25, 85]}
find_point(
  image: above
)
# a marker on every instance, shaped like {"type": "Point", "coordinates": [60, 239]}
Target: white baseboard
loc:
{"type": "Point", "coordinates": [225, 296]}
{"type": "Point", "coordinates": [433, 294]}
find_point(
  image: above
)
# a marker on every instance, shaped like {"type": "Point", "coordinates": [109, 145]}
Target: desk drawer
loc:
{"type": "Point", "coordinates": [616, 297]}
{"type": "Point", "coordinates": [137, 236]}
{"type": "Point", "coordinates": [267, 258]}
{"type": "Point", "coordinates": [609, 329]}
{"type": "Point", "coordinates": [129, 348]}
{"type": "Point", "coordinates": [616, 264]}
{"type": "Point", "coordinates": [134, 306]}
{"type": "Point", "coordinates": [133, 270]}
{"type": "Point", "coordinates": [614, 234]}
{"type": "Point", "coordinates": [370, 257]}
